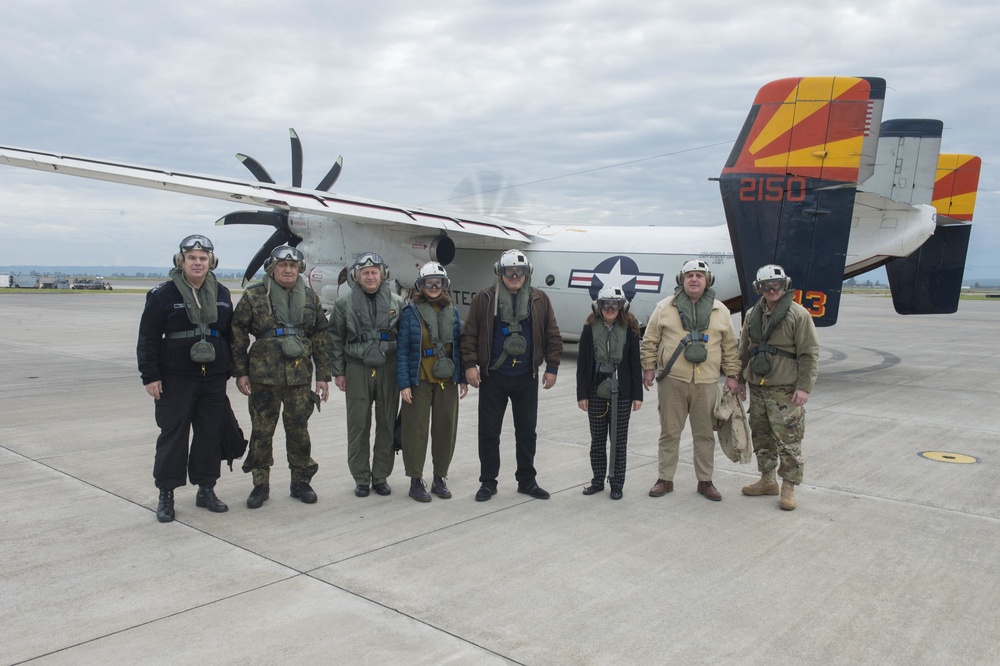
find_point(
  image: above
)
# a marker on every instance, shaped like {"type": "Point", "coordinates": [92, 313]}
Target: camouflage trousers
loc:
{"type": "Point", "coordinates": [777, 425]}
{"type": "Point", "coordinates": [265, 403]}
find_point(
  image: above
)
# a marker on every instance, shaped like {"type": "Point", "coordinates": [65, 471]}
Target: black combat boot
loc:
{"type": "Point", "coordinates": [258, 496]}
{"type": "Point", "coordinates": [206, 499]}
{"type": "Point", "coordinates": [165, 508]}
{"type": "Point", "coordinates": [303, 491]}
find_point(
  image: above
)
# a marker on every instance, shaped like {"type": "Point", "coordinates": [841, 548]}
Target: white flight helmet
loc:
{"type": "Point", "coordinates": [613, 294]}
{"type": "Point", "coordinates": [692, 265]}
{"type": "Point", "coordinates": [770, 273]}
{"type": "Point", "coordinates": [432, 269]}
{"type": "Point", "coordinates": [512, 259]}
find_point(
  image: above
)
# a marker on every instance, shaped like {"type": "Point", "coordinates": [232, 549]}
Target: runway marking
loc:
{"type": "Point", "coordinates": [946, 457]}
{"type": "Point", "coordinates": [888, 360]}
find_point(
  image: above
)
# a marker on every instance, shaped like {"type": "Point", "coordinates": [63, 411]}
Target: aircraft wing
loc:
{"type": "Point", "coordinates": [466, 231]}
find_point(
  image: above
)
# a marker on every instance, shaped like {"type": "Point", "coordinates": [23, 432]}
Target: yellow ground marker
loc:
{"type": "Point", "coordinates": [945, 456]}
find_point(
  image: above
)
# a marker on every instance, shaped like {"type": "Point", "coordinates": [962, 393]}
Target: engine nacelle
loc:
{"type": "Point", "coordinates": [326, 280]}
{"type": "Point", "coordinates": [432, 248]}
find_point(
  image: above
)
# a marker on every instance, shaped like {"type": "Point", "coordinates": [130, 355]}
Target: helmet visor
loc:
{"type": "Point", "coordinates": [772, 285]}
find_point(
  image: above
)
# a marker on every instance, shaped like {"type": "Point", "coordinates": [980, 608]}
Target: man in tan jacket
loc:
{"type": "Point", "coordinates": [688, 339]}
{"type": "Point", "coordinates": [779, 354]}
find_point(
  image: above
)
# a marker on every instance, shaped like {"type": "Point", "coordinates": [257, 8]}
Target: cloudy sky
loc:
{"type": "Point", "coordinates": [605, 112]}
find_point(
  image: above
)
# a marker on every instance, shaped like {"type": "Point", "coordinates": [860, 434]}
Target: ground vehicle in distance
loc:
{"type": "Point", "coordinates": [91, 283]}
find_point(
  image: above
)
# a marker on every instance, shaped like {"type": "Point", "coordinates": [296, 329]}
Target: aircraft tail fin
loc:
{"type": "Point", "coordinates": [929, 281]}
{"type": "Point", "coordinates": [789, 185]}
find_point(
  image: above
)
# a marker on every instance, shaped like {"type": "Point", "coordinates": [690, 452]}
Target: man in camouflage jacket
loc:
{"type": "Point", "coordinates": [290, 330]}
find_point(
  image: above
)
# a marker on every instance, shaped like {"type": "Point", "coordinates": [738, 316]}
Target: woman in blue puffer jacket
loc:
{"type": "Point", "coordinates": [430, 380]}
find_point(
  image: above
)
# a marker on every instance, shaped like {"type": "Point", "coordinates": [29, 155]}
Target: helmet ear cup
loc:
{"type": "Point", "coordinates": [178, 259]}
{"type": "Point", "coordinates": [709, 276]}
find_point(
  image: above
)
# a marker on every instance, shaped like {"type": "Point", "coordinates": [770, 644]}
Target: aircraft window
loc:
{"type": "Point", "coordinates": [550, 280]}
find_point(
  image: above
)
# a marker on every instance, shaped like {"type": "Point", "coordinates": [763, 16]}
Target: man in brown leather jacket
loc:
{"type": "Point", "coordinates": [510, 331]}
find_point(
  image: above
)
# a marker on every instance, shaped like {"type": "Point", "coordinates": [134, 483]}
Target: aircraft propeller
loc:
{"type": "Point", "coordinates": [276, 218]}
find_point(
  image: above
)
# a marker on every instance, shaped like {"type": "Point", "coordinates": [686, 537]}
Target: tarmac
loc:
{"type": "Point", "coordinates": [891, 557]}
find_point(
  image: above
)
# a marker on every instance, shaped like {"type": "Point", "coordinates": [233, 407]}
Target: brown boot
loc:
{"type": "Point", "coordinates": [787, 501]}
{"type": "Point", "coordinates": [709, 490]}
{"type": "Point", "coordinates": [661, 488]}
{"type": "Point", "coordinates": [766, 486]}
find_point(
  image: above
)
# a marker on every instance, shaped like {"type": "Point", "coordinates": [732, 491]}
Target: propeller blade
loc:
{"type": "Point", "coordinates": [256, 168]}
{"type": "Point", "coordinates": [332, 175]}
{"type": "Point", "coordinates": [296, 158]}
{"type": "Point", "coordinates": [270, 218]}
{"type": "Point", "coordinates": [281, 236]}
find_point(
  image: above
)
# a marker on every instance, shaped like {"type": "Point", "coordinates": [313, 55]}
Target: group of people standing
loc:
{"type": "Point", "coordinates": [688, 344]}
{"type": "Point", "coordinates": [375, 347]}
{"type": "Point", "coordinates": [379, 349]}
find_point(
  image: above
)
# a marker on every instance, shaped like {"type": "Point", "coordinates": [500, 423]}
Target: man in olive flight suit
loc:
{"type": "Point", "coordinates": [364, 327]}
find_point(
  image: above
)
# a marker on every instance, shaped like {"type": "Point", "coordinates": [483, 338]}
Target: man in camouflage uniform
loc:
{"type": "Point", "coordinates": [290, 330]}
{"type": "Point", "coordinates": [364, 326]}
{"type": "Point", "coordinates": [779, 356]}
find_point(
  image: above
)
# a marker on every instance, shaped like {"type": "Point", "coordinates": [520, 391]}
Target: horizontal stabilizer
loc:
{"type": "Point", "coordinates": [929, 281]}
{"type": "Point", "coordinates": [789, 185]}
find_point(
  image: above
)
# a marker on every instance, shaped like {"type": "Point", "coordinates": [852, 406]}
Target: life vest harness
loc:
{"type": "Point", "coordinates": [278, 332]}
{"type": "Point", "coordinates": [685, 341]}
{"type": "Point", "coordinates": [193, 333]}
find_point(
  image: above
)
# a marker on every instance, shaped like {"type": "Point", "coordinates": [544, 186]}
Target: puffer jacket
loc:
{"type": "Point", "coordinates": [408, 348]}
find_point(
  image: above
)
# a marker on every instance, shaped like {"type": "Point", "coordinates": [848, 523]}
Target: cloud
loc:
{"type": "Point", "coordinates": [416, 96]}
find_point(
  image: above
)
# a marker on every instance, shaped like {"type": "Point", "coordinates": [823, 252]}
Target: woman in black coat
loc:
{"type": "Point", "coordinates": [609, 384]}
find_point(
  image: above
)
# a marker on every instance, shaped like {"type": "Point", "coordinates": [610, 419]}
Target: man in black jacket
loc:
{"type": "Point", "coordinates": [184, 359]}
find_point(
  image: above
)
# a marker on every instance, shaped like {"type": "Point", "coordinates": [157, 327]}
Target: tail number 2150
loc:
{"type": "Point", "coordinates": [773, 188]}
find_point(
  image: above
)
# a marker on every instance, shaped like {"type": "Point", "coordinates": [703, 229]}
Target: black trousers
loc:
{"type": "Point", "coordinates": [186, 403]}
{"type": "Point", "coordinates": [599, 416]}
{"type": "Point", "coordinates": [494, 393]}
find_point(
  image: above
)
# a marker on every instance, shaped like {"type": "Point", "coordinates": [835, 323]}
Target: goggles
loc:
{"type": "Point", "coordinates": [611, 306]}
{"type": "Point", "coordinates": [197, 242]}
{"type": "Point", "coordinates": [772, 285]}
{"type": "Point", "coordinates": [287, 253]}
{"type": "Point", "coordinates": [514, 272]}
{"type": "Point", "coordinates": [369, 259]}
{"type": "Point", "coordinates": [433, 283]}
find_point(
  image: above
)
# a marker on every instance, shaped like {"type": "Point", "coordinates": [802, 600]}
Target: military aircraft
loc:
{"type": "Point", "coordinates": [815, 182]}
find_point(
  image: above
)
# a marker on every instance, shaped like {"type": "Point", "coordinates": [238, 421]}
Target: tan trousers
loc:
{"type": "Point", "coordinates": [677, 402]}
